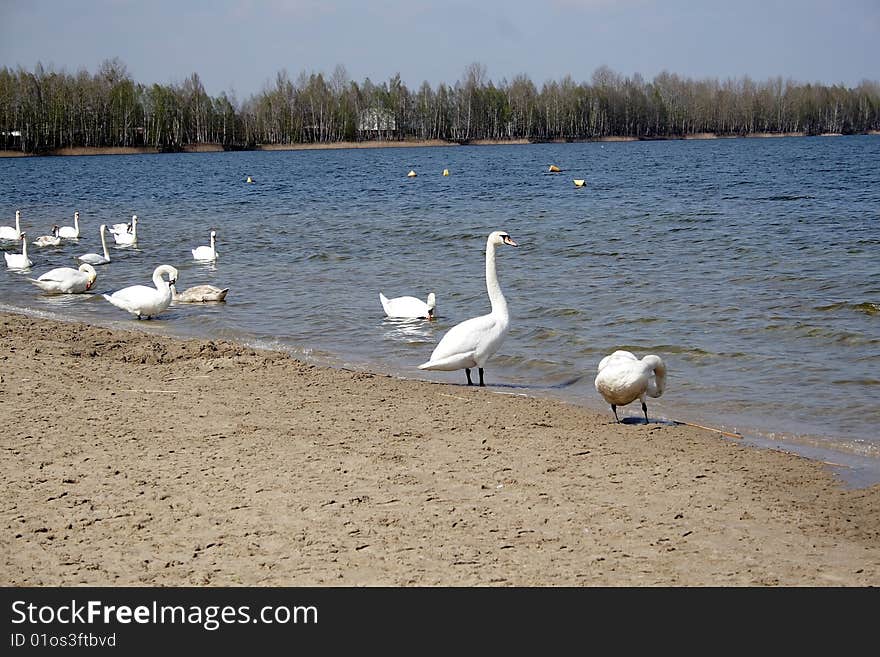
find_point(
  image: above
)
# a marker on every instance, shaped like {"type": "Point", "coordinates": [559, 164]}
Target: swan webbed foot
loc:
{"type": "Point", "coordinates": [614, 410]}
{"type": "Point", "coordinates": [467, 372]}
{"type": "Point", "coordinates": [481, 378]}
{"type": "Point", "coordinates": [645, 410]}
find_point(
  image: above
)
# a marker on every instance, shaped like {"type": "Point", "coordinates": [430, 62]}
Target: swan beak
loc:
{"type": "Point", "coordinates": [88, 285]}
{"type": "Point", "coordinates": [509, 241]}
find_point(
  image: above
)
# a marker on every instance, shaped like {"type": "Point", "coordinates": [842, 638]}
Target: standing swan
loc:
{"type": "Point", "coordinates": [144, 301]}
{"type": "Point", "coordinates": [94, 258]}
{"type": "Point", "coordinates": [67, 280]}
{"type": "Point", "coordinates": [409, 307]}
{"type": "Point", "coordinates": [70, 232]}
{"type": "Point", "coordinates": [472, 342]}
{"type": "Point", "coordinates": [10, 233]}
{"type": "Point", "coordinates": [206, 252]}
{"type": "Point", "coordinates": [126, 236]}
{"type": "Point", "coordinates": [623, 378]}
{"type": "Point", "coordinates": [19, 260]}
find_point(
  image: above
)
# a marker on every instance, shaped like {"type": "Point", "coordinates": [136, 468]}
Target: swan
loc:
{"type": "Point", "coordinates": [48, 240]}
{"type": "Point", "coordinates": [198, 294]}
{"type": "Point", "coordinates": [144, 301]}
{"type": "Point", "coordinates": [10, 233]}
{"type": "Point", "coordinates": [472, 342]}
{"type": "Point", "coordinates": [409, 306]}
{"type": "Point", "coordinates": [623, 378]}
{"type": "Point", "coordinates": [67, 280]}
{"type": "Point", "coordinates": [127, 236]}
{"type": "Point", "coordinates": [70, 232]}
{"type": "Point", "coordinates": [19, 260]}
{"type": "Point", "coordinates": [94, 258]}
{"type": "Point", "coordinates": [206, 252]}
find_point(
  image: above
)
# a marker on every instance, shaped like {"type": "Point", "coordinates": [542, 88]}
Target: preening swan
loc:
{"type": "Point", "coordinates": [206, 252]}
{"type": "Point", "coordinates": [144, 301]}
{"type": "Point", "coordinates": [622, 378]}
{"type": "Point", "coordinates": [48, 240]}
{"type": "Point", "coordinates": [198, 294]}
{"type": "Point", "coordinates": [19, 260]}
{"type": "Point", "coordinates": [472, 342]}
{"type": "Point", "coordinates": [67, 280]}
{"type": "Point", "coordinates": [70, 232]}
{"type": "Point", "coordinates": [128, 234]}
{"type": "Point", "coordinates": [409, 307]}
{"type": "Point", "coordinates": [10, 233]}
{"type": "Point", "coordinates": [94, 258]}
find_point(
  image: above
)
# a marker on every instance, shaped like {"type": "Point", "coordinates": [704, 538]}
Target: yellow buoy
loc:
{"type": "Point", "coordinates": [554, 168]}
{"type": "Point", "coordinates": [445, 172]}
{"type": "Point", "coordinates": [411, 174]}
{"type": "Point", "coordinates": [579, 183]}
{"type": "Point", "coordinates": [249, 180]}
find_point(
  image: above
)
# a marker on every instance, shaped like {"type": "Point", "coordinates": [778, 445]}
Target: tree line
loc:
{"type": "Point", "coordinates": [44, 109]}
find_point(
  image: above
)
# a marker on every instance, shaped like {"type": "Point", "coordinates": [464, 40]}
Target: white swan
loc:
{"type": "Point", "coordinates": [94, 258]}
{"type": "Point", "coordinates": [67, 280]}
{"type": "Point", "coordinates": [10, 233]}
{"type": "Point", "coordinates": [70, 232]}
{"type": "Point", "coordinates": [409, 307]}
{"type": "Point", "coordinates": [199, 294]}
{"type": "Point", "coordinates": [144, 301]}
{"type": "Point", "coordinates": [19, 260]}
{"type": "Point", "coordinates": [48, 240]}
{"type": "Point", "coordinates": [127, 236]}
{"type": "Point", "coordinates": [206, 252]}
{"type": "Point", "coordinates": [622, 378]}
{"type": "Point", "coordinates": [472, 342]}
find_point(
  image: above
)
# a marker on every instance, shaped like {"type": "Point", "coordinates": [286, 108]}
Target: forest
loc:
{"type": "Point", "coordinates": [44, 109]}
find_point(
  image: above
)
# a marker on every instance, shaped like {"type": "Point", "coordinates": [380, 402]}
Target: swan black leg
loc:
{"type": "Point", "coordinates": [614, 410]}
{"type": "Point", "coordinates": [645, 410]}
{"type": "Point", "coordinates": [467, 371]}
{"type": "Point", "coordinates": [481, 377]}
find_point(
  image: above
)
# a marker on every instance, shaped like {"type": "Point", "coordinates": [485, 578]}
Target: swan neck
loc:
{"type": "Point", "coordinates": [493, 287]}
{"type": "Point", "coordinates": [24, 246]}
{"type": "Point", "coordinates": [104, 246]}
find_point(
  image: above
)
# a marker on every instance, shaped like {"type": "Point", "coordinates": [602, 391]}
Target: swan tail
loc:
{"type": "Point", "coordinates": [454, 362]}
{"type": "Point", "coordinates": [222, 295]}
{"type": "Point", "coordinates": [384, 301]}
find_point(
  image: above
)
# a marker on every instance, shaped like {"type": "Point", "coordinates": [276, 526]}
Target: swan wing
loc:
{"type": "Point", "coordinates": [93, 259]}
{"type": "Point", "coordinates": [462, 343]}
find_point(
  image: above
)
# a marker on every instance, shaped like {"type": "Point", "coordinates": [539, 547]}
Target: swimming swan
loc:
{"type": "Point", "coordinates": [48, 240]}
{"type": "Point", "coordinates": [472, 342]}
{"type": "Point", "coordinates": [70, 232]}
{"type": "Point", "coordinates": [10, 233]}
{"type": "Point", "coordinates": [623, 378]}
{"type": "Point", "coordinates": [127, 236]}
{"type": "Point", "coordinates": [409, 307]}
{"type": "Point", "coordinates": [67, 280]}
{"type": "Point", "coordinates": [198, 294]}
{"type": "Point", "coordinates": [206, 252]}
{"type": "Point", "coordinates": [144, 301]}
{"type": "Point", "coordinates": [94, 258]}
{"type": "Point", "coordinates": [19, 260]}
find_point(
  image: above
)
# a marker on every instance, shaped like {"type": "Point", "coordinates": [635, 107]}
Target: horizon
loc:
{"type": "Point", "coordinates": [238, 47]}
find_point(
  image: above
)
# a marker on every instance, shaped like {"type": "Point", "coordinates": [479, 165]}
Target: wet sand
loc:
{"type": "Point", "coordinates": [132, 459]}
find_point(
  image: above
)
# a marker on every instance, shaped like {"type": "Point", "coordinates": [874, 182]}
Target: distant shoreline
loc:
{"type": "Point", "coordinates": [218, 148]}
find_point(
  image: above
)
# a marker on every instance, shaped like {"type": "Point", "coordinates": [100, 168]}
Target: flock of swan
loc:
{"type": "Point", "coordinates": [141, 301]}
{"type": "Point", "coordinates": [621, 377]}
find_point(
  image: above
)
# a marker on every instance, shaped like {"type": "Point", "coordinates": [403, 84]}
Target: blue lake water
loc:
{"type": "Point", "coordinates": [750, 265]}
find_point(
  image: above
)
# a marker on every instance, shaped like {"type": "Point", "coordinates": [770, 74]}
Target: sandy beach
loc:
{"type": "Point", "coordinates": [134, 459]}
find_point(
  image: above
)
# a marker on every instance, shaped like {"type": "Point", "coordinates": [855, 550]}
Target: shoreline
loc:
{"type": "Point", "coordinates": [165, 461]}
{"type": "Point", "coordinates": [218, 148]}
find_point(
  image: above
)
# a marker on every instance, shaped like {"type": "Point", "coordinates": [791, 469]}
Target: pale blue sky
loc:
{"type": "Point", "coordinates": [239, 45]}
